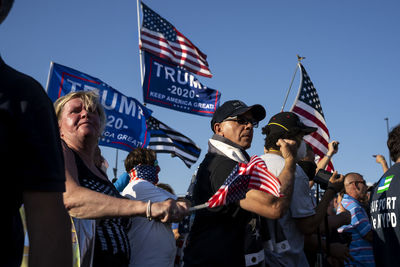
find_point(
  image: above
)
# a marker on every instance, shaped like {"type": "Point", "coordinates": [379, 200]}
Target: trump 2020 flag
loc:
{"type": "Point", "coordinates": [172, 87]}
{"type": "Point", "coordinates": [253, 175]}
{"type": "Point", "coordinates": [308, 107]}
{"type": "Point", "coordinates": [126, 117]}
{"type": "Point", "coordinates": [161, 38]}
{"type": "Point", "coordinates": [164, 139]}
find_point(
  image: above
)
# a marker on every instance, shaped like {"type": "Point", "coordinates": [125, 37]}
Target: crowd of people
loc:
{"type": "Point", "coordinates": [66, 198]}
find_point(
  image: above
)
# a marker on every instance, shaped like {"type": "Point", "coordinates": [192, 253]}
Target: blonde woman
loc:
{"type": "Point", "coordinates": [89, 194]}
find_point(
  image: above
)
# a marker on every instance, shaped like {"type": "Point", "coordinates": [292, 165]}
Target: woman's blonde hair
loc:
{"type": "Point", "coordinates": [90, 100]}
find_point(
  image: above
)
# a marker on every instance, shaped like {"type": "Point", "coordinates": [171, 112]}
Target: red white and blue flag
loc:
{"type": "Point", "coordinates": [144, 172]}
{"type": "Point", "coordinates": [162, 39]}
{"type": "Point", "coordinates": [254, 175]}
{"type": "Point", "coordinates": [308, 107]}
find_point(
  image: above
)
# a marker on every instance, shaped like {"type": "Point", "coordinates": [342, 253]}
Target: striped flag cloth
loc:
{"type": "Point", "coordinates": [164, 139]}
{"type": "Point", "coordinates": [254, 175]}
{"type": "Point", "coordinates": [308, 107]}
{"type": "Point", "coordinates": [162, 39]}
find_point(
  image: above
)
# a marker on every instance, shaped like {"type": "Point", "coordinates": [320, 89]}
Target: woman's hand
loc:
{"type": "Point", "coordinates": [169, 210]}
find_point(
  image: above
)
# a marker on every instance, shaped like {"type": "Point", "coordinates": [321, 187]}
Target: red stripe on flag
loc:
{"type": "Point", "coordinates": [320, 139]}
{"type": "Point", "coordinates": [201, 54]}
{"type": "Point", "coordinates": [311, 117]}
{"type": "Point", "coordinates": [154, 46]}
{"type": "Point", "coordinates": [172, 51]}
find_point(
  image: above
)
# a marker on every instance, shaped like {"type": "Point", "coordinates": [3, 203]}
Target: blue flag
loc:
{"type": "Point", "coordinates": [126, 117]}
{"type": "Point", "coordinates": [172, 87]}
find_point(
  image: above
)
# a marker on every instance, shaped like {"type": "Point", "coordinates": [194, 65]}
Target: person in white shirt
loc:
{"type": "Point", "coordinates": [152, 242]}
{"type": "Point", "coordinates": [301, 218]}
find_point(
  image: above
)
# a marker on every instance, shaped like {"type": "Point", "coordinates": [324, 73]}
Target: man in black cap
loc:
{"type": "Point", "coordinates": [217, 235]}
{"type": "Point", "coordinates": [302, 217]}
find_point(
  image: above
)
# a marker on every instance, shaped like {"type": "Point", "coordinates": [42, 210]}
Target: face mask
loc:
{"type": "Point", "coordinates": [145, 172]}
{"type": "Point", "coordinates": [301, 151]}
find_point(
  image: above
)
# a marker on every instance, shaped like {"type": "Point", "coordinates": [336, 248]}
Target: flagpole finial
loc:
{"type": "Point", "coordinates": [299, 58]}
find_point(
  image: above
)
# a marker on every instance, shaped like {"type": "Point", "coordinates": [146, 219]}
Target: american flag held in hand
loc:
{"type": "Point", "coordinates": [162, 39]}
{"type": "Point", "coordinates": [308, 107]}
{"type": "Point", "coordinates": [254, 175]}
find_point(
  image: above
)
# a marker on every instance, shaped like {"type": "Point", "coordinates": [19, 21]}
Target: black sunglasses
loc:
{"type": "Point", "coordinates": [358, 182]}
{"type": "Point", "coordinates": [242, 121]}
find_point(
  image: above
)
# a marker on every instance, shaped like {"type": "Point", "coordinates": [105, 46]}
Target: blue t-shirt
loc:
{"type": "Point", "coordinates": [360, 249]}
{"type": "Point", "coordinates": [122, 182]}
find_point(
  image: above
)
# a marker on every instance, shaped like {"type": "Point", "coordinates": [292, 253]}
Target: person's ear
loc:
{"type": "Point", "coordinates": [218, 129]}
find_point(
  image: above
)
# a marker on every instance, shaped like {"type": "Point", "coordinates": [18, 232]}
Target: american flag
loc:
{"type": "Point", "coordinates": [308, 107]}
{"type": "Point", "coordinates": [161, 38]}
{"type": "Point", "coordinates": [164, 139]}
{"type": "Point", "coordinates": [254, 175]}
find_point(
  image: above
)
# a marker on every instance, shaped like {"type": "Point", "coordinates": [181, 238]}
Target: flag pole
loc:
{"type": "Point", "coordinates": [299, 59]}
{"type": "Point", "coordinates": [116, 165]}
{"type": "Point", "coordinates": [198, 207]}
{"type": "Point", "coordinates": [139, 36]}
{"type": "Point", "coordinates": [387, 128]}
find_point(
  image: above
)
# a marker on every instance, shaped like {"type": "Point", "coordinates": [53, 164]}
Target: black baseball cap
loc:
{"type": "Point", "coordinates": [234, 108]}
{"type": "Point", "coordinates": [287, 122]}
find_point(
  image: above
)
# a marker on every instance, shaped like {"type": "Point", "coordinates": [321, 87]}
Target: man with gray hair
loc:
{"type": "Point", "coordinates": [217, 237]}
{"type": "Point", "coordinates": [360, 227]}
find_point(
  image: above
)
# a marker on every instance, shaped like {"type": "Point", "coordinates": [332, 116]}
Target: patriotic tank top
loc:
{"type": "Point", "coordinates": [111, 233]}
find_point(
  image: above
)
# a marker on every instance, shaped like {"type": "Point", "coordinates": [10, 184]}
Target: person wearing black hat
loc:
{"type": "Point", "coordinates": [217, 235]}
{"type": "Point", "coordinates": [301, 218]}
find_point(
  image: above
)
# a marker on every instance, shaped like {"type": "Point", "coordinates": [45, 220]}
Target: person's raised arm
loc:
{"type": "Point", "coordinates": [333, 148]}
{"type": "Point", "coordinates": [266, 204]}
{"type": "Point", "coordinates": [381, 160]}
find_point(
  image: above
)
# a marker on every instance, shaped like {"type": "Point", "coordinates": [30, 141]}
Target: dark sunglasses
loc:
{"type": "Point", "coordinates": [358, 182]}
{"type": "Point", "coordinates": [242, 121]}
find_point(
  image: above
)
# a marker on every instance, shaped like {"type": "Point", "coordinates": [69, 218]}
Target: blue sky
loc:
{"type": "Point", "coordinates": [351, 49]}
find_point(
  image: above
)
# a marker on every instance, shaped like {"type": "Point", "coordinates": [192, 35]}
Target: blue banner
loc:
{"type": "Point", "coordinates": [169, 86]}
{"type": "Point", "coordinates": [126, 117]}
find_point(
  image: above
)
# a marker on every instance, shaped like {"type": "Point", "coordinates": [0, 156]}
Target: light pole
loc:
{"type": "Point", "coordinates": [387, 128]}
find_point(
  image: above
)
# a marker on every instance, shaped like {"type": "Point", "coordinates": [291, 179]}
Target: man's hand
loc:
{"type": "Point", "coordinates": [336, 183]}
{"type": "Point", "coordinates": [380, 159]}
{"type": "Point", "coordinates": [333, 148]}
{"type": "Point", "coordinates": [288, 148]}
{"type": "Point", "coordinates": [169, 210]}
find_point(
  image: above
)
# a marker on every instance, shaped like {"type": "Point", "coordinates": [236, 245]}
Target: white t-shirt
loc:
{"type": "Point", "coordinates": [152, 242]}
{"type": "Point", "coordinates": [301, 206]}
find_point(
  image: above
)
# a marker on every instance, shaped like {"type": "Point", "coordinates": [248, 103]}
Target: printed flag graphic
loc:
{"type": "Point", "coordinates": [384, 184]}
{"type": "Point", "coordinates": [170, 86]}
{"type": "Point", "coordinates": [162, 39]}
